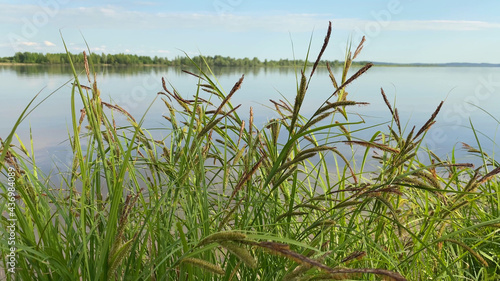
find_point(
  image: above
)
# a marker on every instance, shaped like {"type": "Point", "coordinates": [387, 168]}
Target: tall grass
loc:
{"type": "Point", "coordinates": [221, 199]}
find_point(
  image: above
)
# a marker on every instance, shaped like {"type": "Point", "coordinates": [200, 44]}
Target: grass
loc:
{"type": "Point", "coordinates": [220, 199]}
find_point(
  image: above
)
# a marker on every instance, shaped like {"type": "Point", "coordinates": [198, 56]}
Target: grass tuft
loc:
{"type": "Point", "coordinates": [218, 193]}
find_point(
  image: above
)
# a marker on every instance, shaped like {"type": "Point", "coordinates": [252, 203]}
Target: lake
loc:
{"type": "Point", "coordinates": [417, 91]}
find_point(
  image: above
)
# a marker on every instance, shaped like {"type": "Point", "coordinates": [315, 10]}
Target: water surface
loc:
{"type": "Point", "coordinates": [416, 90]}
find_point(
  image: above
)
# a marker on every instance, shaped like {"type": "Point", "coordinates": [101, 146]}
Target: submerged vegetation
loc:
{"type": "Point", "coordinates": [220, 199]}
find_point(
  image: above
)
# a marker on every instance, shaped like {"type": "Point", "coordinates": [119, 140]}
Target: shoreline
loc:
{"type": "Point", "coordinates": [259, 66]}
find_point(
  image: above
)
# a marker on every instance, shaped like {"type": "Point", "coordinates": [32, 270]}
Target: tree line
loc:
{"type": "Point", "coordinates": [131, 59]}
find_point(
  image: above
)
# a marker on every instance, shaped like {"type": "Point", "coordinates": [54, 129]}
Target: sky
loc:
{"type": "Point", "coordinates": [398, 31]}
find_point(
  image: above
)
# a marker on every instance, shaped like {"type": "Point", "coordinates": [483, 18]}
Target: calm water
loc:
{"type": "Point", "coordinates": [418, 90]}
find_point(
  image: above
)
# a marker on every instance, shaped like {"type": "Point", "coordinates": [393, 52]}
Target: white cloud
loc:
{"type": "Point", "coordinates": [411, 25]}
{"type": "Point", "coordinates": [27, 44]}
{"type": "Point", "coordinates": [163, 51]}
{"type": "Point", "coordinates": [115, 17]}
{"type": "Point", "coordinates": [101, 48]}
{"type": "Point", "coordinates": [108, 12]}
{"type": "Point", "coordinates": [49, 44]}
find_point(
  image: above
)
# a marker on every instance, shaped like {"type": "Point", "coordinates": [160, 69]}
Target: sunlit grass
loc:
{"type": "Point", "coordinates": [221, 199]}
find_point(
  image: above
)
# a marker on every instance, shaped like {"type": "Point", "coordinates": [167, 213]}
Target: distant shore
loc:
{"type": "Point", "coordinates": [28, 58]}
{"type": "Point", "coordinates": [375, 64]}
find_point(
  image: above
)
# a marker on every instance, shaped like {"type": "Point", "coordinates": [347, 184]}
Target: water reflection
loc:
{"type": "Point", "coordinates": [418, 91]}
{"type": "Point", "coordinates": [123, 70]}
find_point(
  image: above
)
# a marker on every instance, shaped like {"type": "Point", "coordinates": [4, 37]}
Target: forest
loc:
{"type": "Point", "coordinates": [132, 59]}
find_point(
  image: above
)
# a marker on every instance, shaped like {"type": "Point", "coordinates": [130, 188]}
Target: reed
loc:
{"type": "Point", "coordinates": [220, 198]}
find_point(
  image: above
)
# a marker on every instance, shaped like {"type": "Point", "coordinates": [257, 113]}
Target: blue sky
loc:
{"type": "Point", "coordinates": [396, 30]}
